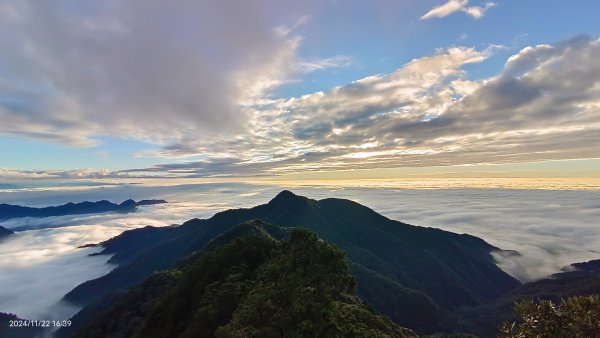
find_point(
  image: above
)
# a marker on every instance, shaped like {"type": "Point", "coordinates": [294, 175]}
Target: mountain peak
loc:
{"type": "Point", "coordinates": [129, 203]}
{"type": "Point", "coordinates": [286, 196]}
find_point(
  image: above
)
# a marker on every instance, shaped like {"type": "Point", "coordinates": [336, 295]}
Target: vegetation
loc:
{"type": "Point", "coordinates": [413, 275]}
{"type": "Point", "coordinates": [485, 320]}
{"type": "Point", "coordinates": [431, 281]}
{"type": "Point", "coordinates": [574, 317]}
{"type": "Point", "coordinates": [251, 286]}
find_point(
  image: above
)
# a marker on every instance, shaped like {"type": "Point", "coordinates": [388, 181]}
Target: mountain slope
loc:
{"type": "Point", "coordinates": [5, 232]}
{"type": "Point", "coordinates": [246, 283]}
{"type": "Point", "coordinates": [8, 331]}
{"type": "Point", "coordinates": [8, 211]}
{"type": "Point", "coordinates": [582, 280]}
{"type": "Point", "coordinates": [432, 270]}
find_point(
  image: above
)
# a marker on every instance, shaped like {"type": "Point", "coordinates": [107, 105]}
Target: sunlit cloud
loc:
{"type": "Point", "coordinates": [222, 113]}
{"type": "Point", "coordinates": [453, 6]}
{"type": "Point", "coordinates": [426, 113]}
{"type": "Point", "coordinates": [478, 12]}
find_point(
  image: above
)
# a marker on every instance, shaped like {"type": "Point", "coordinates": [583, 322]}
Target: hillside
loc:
{"type": "Point", "coordinates": [4, 232]}
{"type": "Point", "coordinates": [413, 275]}
{"type": "Point", "coordinates": [247, 283]}
{"type": "Point", "coordinates": [582, 279]}
{"type": "Point", "coordinates": [25, 331]}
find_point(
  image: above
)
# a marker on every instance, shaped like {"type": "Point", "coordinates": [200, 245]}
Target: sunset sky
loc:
{"type": "Point", "coordinates": [299, 89]}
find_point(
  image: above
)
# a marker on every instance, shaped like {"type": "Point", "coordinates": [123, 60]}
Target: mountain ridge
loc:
{"type": "Point", "coordinates": [300, 285]}
{"type": "Point", "coordinates": [10, 211]}
{"type": "Point", "coordinates": [414, 259]}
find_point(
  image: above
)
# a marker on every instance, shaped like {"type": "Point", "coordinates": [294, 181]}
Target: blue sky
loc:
{"type": "Point", "coordinates": [203, 90]}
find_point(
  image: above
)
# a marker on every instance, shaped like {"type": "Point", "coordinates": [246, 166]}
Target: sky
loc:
{"type": "Point", "coordinates": [107, 89]}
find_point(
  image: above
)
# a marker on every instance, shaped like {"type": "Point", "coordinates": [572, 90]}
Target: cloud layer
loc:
{"type": "Point", "coordinates": [199, 81]}
{"type": "Point", "coordinates": [542, 106]}
{"type": "Point", "coordinates": [38, 267]}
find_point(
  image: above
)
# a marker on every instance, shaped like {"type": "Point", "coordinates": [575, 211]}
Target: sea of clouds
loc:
{"type": "Point", "coordinates": [549, 228]}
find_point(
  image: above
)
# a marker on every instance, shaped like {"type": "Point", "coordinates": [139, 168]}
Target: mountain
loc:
{"type": "Point", "coordinates": [579, 279]}
{"type": "Point", "coordinates": [5, 232]}
{"type": "Point", "coordinates": [414, 275]}
{"type": "Point", "coordinates": [8, 211]}
{"type": "Point", "coordinates": [246, 283]}
{"type": "Point", "coordinates": [8, 331]}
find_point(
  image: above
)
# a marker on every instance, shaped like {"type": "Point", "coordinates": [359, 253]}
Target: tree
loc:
{"type": "Point", "coordinates": [574, 317]}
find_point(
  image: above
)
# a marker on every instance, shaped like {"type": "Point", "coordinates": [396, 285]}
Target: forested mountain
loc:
{"type": "Point", "coordinates": [246, 283]}
{"type": "Point", "coordinates": [414, 275]}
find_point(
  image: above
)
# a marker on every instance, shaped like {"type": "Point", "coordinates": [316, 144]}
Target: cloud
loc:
{"type": "Point", "coordinates": [446, 9]}
{"type": "Point", "coordinates": [38, 267]}
{"type": "Point", "coordinates": [150, 71]}
{"type": "Point", "coordinates": [478, 12]}
{"type": "Point", "coordinates": [453, 6]}
{"type": "Point", "coordinates": [311, 65]}
{"type": "Point", "coordinates": [546, 227]}
{"type": "Point", "coordinates": [542, 106]}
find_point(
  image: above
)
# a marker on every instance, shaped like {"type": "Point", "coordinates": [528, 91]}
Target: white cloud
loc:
{"type": "Point", "coordinates": [453, 6]}
{"type": "Point", "coordinates": [542, 106]}
{"type": "Point", "coordinates": [314, 64]}
{"type": "Point", "coordinates": [153, 72]}
{"type": "Point", "coordinates": [478, 12]}
{"type": "Point", "coordinates": [38, 267]}
{"type": "Point", "coordinates": [446, 9]}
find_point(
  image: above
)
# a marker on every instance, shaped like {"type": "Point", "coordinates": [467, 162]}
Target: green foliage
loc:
{"type": "Point", "coordinates": [251, 285]}
{"type": "Point", "coordinates": [294, 292]}
{"type": "Point", "coordinates": [574, 317]}
{"type": "Point", "coordinates": [209, 291]}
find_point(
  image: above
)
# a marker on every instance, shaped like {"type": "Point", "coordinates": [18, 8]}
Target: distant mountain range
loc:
{"type": "Point", "coordinates": [8, 211]}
